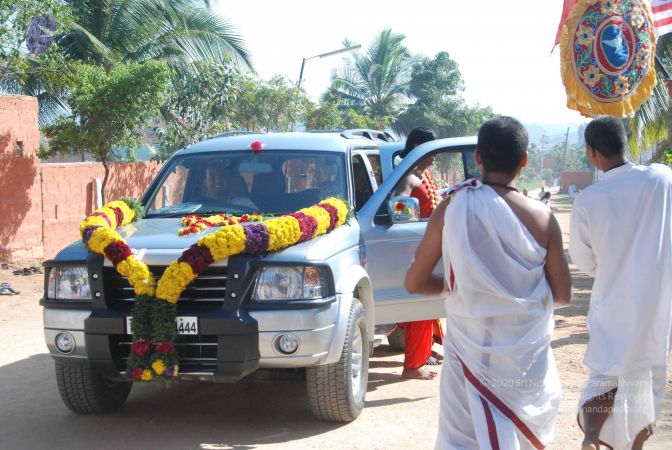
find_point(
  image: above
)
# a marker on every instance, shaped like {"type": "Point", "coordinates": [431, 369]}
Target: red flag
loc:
{"type": "Point", "coordinates": [566, 8]}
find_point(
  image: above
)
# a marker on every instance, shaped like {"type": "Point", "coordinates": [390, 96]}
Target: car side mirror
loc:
{"type": "Point", "coordinates": [404, 209]}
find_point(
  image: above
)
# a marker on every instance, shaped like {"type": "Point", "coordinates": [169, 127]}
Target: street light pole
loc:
{"type": "Point", "coordinates": [324, 55]}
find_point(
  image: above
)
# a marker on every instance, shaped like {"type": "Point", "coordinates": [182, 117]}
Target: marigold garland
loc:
{"type": "Point", "coordinates": [428, 180]}
{"type": "Point", "coordinates": [153, 355]}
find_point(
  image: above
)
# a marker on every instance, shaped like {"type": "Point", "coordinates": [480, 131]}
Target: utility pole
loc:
{"type": "Point", "coordinates": [541, 166]}
{"type": "Point", "coordinates": [564, 156]}
{"type": "Point", "coordinates": [564, 153]}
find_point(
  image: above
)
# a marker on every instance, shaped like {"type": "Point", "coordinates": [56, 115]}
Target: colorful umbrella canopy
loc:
{"type": "Point", "coordinates": [607, 56]}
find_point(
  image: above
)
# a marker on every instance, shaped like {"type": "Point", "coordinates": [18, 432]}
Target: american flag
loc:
{"type": "Point", "coordinates": [662, 16]}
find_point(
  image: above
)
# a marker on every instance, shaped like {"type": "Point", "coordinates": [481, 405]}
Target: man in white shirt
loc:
{"type": "Point", "coordinates": [504, 267]}
{"type": "Point", "coordinates": [621, 234]}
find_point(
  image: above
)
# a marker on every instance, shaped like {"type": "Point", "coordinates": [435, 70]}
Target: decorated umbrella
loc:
{"type": "Point", "coordinates": [607, 56]}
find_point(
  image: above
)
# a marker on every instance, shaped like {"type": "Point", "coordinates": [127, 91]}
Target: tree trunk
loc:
{"type": "Point", "coordinates": [107, 175]}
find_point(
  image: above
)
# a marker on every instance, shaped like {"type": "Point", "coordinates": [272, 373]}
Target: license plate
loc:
{"type": "Point", "coordinates": [183, 325]}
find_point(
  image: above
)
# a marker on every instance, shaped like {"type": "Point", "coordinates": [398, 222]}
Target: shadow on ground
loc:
{"type": "Point", "coordinates": [176, 416]}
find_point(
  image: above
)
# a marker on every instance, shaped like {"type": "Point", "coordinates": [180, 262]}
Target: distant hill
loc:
{"type": "Point", "coordinates": [554, 133]}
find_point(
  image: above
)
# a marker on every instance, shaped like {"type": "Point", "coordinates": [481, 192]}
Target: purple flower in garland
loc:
{"type": "Point", "coordinates": [256, 238]}
{"type": "Point", "coordinates": [88, 233]}
{"type": "Point", "coordinates": [307, 224]}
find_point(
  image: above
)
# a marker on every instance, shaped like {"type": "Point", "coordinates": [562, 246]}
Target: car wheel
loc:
{"type": "Point", "coordinates": [397, 340]}
{"type": "Point", "coordinates": [336, 392]}
{"type": "Point", "coordinates": [86, 392]}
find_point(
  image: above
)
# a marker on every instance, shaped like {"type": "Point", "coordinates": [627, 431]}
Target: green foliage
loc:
{"type": "Point", "coordinates": [533, 161]}
{"type": "Point", "coordinates": [136, 206]}
{"type": "Point", "coordinates": [281, 104]}
{"type": "Point", "coordinates": [163, 321]}
{"type": "Point", "coordinates": [180, 31]}
{"type": "Point", "coordinates": [46, 76]}
{"type": "Point", "coordinates": [219, 99]}
{"type": "Point", "coordinates": [325, 116]}
{"type": "Point", "coordinates": [142, 318]}
{"type": "Point", "coordinates": [548, 175]}
{"type": "Point", "coordinates": [274, 105]}
{"type": "Point", "coordinates": [436, 80]}
{"type": "Point", "coordinates": [449, 118]}
{"type": "Point", "coordinates": [108, 109]}
{"type": "Point", "coordinates": [106, 32]}
{"type": "Point", "coordinates": [436, 85]}
{"type": "Point", "coordinates": [199, 105]}
{"type": "Point", "coordinates": [529, 184]}
{"type": "Point", "coordinates": [576, 160]}
{"type": "Point", "coordinates": [375, 83]}
{"type": "Point", "coordinates": [330, 116]}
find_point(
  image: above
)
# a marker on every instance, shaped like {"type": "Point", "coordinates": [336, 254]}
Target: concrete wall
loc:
{"type": "Point", "coordinates": [41, 205]}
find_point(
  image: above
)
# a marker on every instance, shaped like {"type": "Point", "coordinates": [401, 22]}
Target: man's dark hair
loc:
{"type": "Point", "coordinates": [502, 142]}
{"type": "Point", "coordinates": [416, 137]}
{"type": "Point", "coordinates": [606, 134]}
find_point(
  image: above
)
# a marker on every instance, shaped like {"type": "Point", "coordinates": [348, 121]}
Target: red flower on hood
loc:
{"type": "Point", "coordinates": [256, 147]}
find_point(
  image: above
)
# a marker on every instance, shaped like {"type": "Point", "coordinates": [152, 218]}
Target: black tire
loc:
{"type": "Point", "coordinates": [86, 392]}
{"type": "Point", "coordinates": [330, 387]}
{"type": "Point", "coordinates": [397, 340]}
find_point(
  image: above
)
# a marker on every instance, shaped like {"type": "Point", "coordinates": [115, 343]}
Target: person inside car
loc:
{"type": "Point", "coordinates": [224, 185]}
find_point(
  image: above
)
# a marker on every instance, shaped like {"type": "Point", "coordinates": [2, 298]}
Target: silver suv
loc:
{"type": "Point", "coordinates": [249, 314]}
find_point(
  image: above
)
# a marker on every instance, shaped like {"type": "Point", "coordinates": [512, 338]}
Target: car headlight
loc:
{"type": "Point", "coordinates": [290, 283]}
{"type": "Point", "coordinates": [69, 283]}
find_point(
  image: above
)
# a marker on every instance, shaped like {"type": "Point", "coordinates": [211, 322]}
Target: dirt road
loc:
{"type": "Point", "coordinates": [398, 414]}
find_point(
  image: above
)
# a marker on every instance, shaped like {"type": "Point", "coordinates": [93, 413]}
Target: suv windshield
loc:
{"type": "Point", "coordinates": [274, 182]}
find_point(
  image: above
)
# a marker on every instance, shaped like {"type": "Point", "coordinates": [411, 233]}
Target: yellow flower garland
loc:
{"type": "Point", "coordinates": [98, 232]}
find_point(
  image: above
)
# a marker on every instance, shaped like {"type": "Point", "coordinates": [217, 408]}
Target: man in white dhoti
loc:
{"type": "Point", "coordinates": [504, 266]}
{"type": "Point", "coordinates": [621, 234]}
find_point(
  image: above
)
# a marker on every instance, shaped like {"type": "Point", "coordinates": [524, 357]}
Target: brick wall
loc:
{"type": "Point", "coordinates": [41, 205]}
{"type": "Point", "coordinates": [69, 195]}
{"type": "Point", "coordinates": [20, 187]}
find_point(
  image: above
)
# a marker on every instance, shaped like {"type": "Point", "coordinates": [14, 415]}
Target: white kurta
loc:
{"type": "Point", "coordinates": [621, 234]}
{"type": "Point", "coordinates": [499, 380]}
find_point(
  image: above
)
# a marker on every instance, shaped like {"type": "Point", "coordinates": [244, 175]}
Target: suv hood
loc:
{"type": "Point", "coordinates": [156, 241]}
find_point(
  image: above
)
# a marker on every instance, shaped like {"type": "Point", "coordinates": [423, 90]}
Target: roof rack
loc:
{"type": "Point", "coordinates": [233, 133]}
{"type": "Point", "coordinates": [369, 134]}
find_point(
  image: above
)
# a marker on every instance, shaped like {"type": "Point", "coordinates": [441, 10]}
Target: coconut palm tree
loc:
{"type": "Point", "coordinates": [182, 32]}
{"type": "Point", "coordinates": [376, 82]}
{"type": "Point", "coordinates": [651, 126]}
